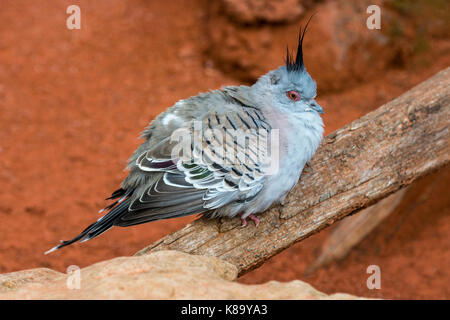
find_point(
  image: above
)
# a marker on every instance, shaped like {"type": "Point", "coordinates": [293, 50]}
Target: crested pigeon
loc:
{"type": "Point", "coordinates": [223, 167]}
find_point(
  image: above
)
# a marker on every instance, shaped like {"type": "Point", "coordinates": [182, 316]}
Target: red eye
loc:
{"type": "Point", "coordinates": [293, 95]}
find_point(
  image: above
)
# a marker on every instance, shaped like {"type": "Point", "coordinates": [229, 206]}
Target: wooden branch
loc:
{"type": "Point", "coordinates": [351, 231]}
{"type": "Point", "coordinates": [354, 167]}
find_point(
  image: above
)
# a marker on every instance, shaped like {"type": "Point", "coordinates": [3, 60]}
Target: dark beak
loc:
{"type": "Point", "coordinates": [314, 105]}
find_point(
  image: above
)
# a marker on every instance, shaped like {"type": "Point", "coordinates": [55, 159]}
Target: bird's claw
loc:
{"type": "Point", "coordinates": [252, 217]}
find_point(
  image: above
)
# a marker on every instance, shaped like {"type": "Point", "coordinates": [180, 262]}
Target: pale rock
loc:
{"type": "Point", "coordinates": [158, 275]}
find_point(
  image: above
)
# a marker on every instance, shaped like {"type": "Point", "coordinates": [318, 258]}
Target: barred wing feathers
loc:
{"type": "Point", "coordinates": [223, 167]}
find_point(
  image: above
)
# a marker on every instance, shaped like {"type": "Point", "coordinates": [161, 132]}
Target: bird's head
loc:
{"type": "Point", "coordinates": [291, 87]}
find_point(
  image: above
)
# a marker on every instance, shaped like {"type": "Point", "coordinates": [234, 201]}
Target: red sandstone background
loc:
{"type": "Point", "coordinates": [73, 103]}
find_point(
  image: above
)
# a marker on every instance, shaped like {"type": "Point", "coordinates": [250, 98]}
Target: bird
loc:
{"type": "Point", "coordinates": [222, 169]}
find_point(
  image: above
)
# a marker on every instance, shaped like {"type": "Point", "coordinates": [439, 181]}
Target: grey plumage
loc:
{"type": "Point", "coordinates": [161, 186]}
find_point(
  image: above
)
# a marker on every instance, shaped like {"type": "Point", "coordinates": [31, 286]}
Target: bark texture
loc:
{"type": "Point", "coordinates": [351, 231]}
{"type": "Point", "coordinates": [355, 166]}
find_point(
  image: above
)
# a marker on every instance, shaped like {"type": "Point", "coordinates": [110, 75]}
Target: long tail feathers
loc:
{"type": "Point", "coordinates": [116, 210]}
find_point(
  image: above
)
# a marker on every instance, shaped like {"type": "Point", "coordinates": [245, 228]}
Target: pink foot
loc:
{"type": "Point", "coordinates": [255, 219]}
{"type": "Point", "coordinates": [252, 216]}
{"type": "Point", "coordinates": [244, 221]}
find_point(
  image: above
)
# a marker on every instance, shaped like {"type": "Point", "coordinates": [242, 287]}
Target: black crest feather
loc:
{"type": "Point", "coordinates": [297, 64]}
